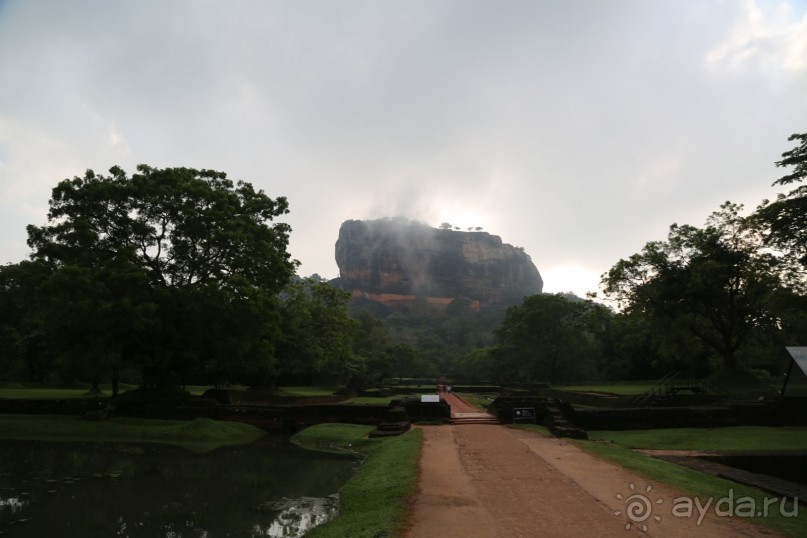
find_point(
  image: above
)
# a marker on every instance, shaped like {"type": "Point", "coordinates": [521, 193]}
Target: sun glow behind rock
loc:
{"type": "Point", "coordinates": [570, 277]}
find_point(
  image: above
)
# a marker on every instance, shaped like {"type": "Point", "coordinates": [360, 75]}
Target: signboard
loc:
{"type": "Point", "coordinates": [429, 398]}
{"type": "Point", "coordinates": [799, 355]}
{"type": "Point", "coordinates": [524, 414]}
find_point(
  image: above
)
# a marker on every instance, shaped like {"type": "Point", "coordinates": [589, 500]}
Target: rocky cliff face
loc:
{"type": "Point", "coordinates": [395, 261]}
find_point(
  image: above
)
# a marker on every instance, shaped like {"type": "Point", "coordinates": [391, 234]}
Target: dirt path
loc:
{"type": "Point", "coordinates": [492, 481]}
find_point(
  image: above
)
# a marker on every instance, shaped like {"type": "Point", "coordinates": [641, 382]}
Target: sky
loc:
{"type": "Point", "coordinates": [578, 130]}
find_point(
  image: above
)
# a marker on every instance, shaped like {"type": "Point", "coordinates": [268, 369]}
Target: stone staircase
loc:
{"type": "Point", "coordinates": [559, 424]}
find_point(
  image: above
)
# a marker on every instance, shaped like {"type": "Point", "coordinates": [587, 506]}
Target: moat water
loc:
{"type": "Point", "coordinates": [267, 488]}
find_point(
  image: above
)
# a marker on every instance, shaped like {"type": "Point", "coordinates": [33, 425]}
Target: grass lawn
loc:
{"type": "Point", "coordinates": [200, 434]}
{"type": "Point", "coordinates": [373, 503]}
{"type": "Point", "coordinates": [628, 388]}
{"type": "Point", "coordinates": [306, 391]}
{"type": "Point", "coordinates": [617, 446]}
{"type": "Point", "coordinates": [792, 389]}
{"type": "Point", "coordinates": [43, 393]}
{"type": "Point", "coordinates": [373, 400]}
{"type": "Point", "coordinates": [480, 401]}
{"type": "Point", "coordinates": [36, 391]}
{"type": "Point", "coordinates": [729, 438]}
{"type": "Point", "coordinates": [695, 484]}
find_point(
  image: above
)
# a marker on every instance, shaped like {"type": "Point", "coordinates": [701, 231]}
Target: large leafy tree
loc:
{"type": "Point", "coordinates": [714, 284]}
{"type": "Point", "coordinates": [317, 333]}
{"type": "Point", "coordinates": [549, 338]}
{"type": "Point", "coordinates": [173, 269]}
{"type": "Point", "coordinates": [94, 318]}
{"type": "Point", "coordinates": [785, 219]}
{"type": "Point", "coordinates": [183, 227]}
{"type": "Point", "coordinates": [372, 345]}
{"type": "Point", "coordinates": [25, 352]}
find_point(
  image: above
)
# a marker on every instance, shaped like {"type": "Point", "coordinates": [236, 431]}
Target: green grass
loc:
{"type": "Point", "coordinates": [373, 502]}
{"type": "Point", "coordinates": [696, 484]}
{"type": "Point", "coordinates": [44, 393]}
{"type": "Point", "coordinates": [36, 391]}
{"type": "Point", "coordinates": [792, 389]}
{"type": "Point", "coordinates": [729, 438]}
{"type": "Point", "coordinates": [306, 391]}
{"type": "Point", "coordinates": [198, 390]}
{"type": "Point", "coordinates": [384, 400]}
{"type": "Point", "coordinates": [628, 388]}
{"type": "Point", "coordinates": [740, 382]}
{"type": "Point", "coordinates": [479, 401]}
{"type": "Point", "coordinates": [200, 434]}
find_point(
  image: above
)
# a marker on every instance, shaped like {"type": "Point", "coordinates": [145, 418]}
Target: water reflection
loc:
{"type": "Point", "coordinates": [297, 516]}
{"type": "Point", "coordinates": [12, 504]}
{"type": "Point", "coordinates": [269, 488]}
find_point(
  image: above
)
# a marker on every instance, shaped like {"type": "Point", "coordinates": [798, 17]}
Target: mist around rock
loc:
{"type": "Point", "coordinates": [396, 261]}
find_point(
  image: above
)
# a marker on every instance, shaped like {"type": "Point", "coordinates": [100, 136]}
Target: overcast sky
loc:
{"type": "Point", "coordinates": [579, 130]}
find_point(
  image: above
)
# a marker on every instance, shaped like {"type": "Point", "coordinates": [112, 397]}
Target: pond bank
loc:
{"type": "Point", "coordinates": [142, 490]}
{"type": "Point", "coordinates": [374, 501]}
{"type": "Point", "coordinates": [200, 434]}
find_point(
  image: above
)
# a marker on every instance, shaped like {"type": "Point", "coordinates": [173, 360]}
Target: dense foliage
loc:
{"type": "Point", "coordinates": [168, 272]}
{"type": "Point", "coordinates": [317, 335]}
{"type": "Point", "coordinates": [729, 294]}
{"type": "Point", "coordinates": [784, 221]}
{"type": "Point", "coordinates": [175, 275]}
{"type": "Point", "coordinates": [421, 342]}
{"type": "Point", "coordinates": [552, 339]}
{"type": "Point", "coordinates": [714, 284]}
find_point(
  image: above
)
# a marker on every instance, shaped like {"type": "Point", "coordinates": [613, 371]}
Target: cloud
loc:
{"type": "Point", "coordinates": [578, 131]}
{"type": "Point", "coordinates": [768, 36]}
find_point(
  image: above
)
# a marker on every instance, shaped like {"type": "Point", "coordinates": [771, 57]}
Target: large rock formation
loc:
{"type": "Point", "coordinates": [397, 262]}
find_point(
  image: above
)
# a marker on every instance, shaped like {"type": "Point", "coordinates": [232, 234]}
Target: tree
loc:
{"type": "Point", "coordinates": [405, 361]}
{"type": "Point", "coordinates": [317, 332]}
{"type": "Point", "coordinates": [786, 218]}
{"type": "Point", "coordinates": [372, 344]}
{"type": "Point", "coordinates": [547, 339]}
{"type": "Point", "coordinates": [715, 283]}
{"type": "Point", "coordinates": [642, 347]}
{"type": "Point", "coordinates": [177, 264]}
{"type": "Point", "coordinates": [24, 345]}
{"type": "Point", "coordinates": [94, 317]}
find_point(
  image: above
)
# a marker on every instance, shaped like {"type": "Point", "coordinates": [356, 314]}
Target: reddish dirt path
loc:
{"type": "Point", "coordinates": [492, 481]}
{"type": "Point", "coordinates": [458, 405]}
